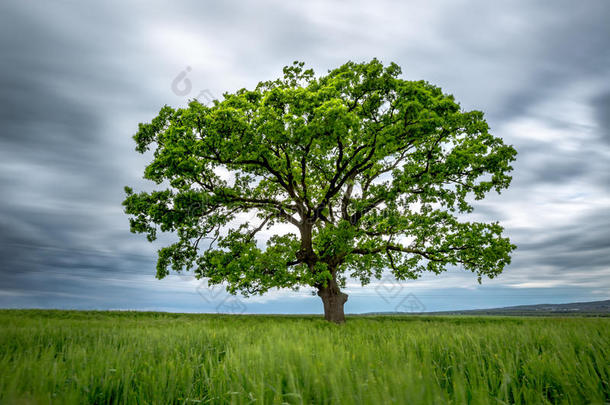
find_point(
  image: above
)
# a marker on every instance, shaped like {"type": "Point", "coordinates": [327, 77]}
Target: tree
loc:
{"type": "Point", "coordinates": [370, 171]}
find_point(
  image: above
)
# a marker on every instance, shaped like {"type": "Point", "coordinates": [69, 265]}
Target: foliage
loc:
{"type": "Point", "coordinates": [371, 170]}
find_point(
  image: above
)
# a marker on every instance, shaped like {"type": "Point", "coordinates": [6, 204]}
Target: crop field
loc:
{"type": "Point", "coordinates": [73, 357]}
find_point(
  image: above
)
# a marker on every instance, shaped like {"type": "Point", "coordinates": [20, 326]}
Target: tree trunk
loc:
{"type": "Point", "coordinates": [333, 300]}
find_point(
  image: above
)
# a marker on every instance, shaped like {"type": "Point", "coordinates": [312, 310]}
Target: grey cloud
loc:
{"type": "Point", "coordinates": [527, 50]}
{"type": "Point", "coordinates": [573, 254]}
{"type": "Point", "coordinates": [602, 112]}
{"type": "Point", "coordinates": [76, 81]}
{"type": "Point", "coordinates": [549, 165]}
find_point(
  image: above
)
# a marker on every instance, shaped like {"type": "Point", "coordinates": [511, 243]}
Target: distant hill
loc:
{"type": "Point", "coordinates": [594, 308]}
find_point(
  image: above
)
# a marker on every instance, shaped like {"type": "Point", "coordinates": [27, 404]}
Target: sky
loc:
{"type": "Point", "coordinates": [76, 79]}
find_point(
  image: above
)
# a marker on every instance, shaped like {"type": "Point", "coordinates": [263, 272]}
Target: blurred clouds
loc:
{"type": "Point", "coordinates": [77, 79]}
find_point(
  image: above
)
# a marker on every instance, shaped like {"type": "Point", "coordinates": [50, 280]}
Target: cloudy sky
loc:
{"type": "Point", "coordinates": [76, 80]}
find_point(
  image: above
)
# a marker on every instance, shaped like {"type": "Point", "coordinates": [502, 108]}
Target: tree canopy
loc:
{"type": "Point", "coordinates": [371, 171]}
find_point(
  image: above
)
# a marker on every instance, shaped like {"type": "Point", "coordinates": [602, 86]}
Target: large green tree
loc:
{"type": "Point", "coordinates": [370, 170]}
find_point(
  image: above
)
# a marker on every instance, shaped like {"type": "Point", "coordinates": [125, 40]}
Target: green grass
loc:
{"type": "Point", "coordinates": [64, 357]}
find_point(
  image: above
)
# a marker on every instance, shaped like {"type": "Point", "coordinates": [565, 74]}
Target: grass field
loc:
{"type": "Point", "coordinates": [64, 357]}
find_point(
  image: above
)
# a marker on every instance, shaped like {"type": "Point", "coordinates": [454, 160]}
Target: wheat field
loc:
{"type": "Point", "coordinates": [80, 357]}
